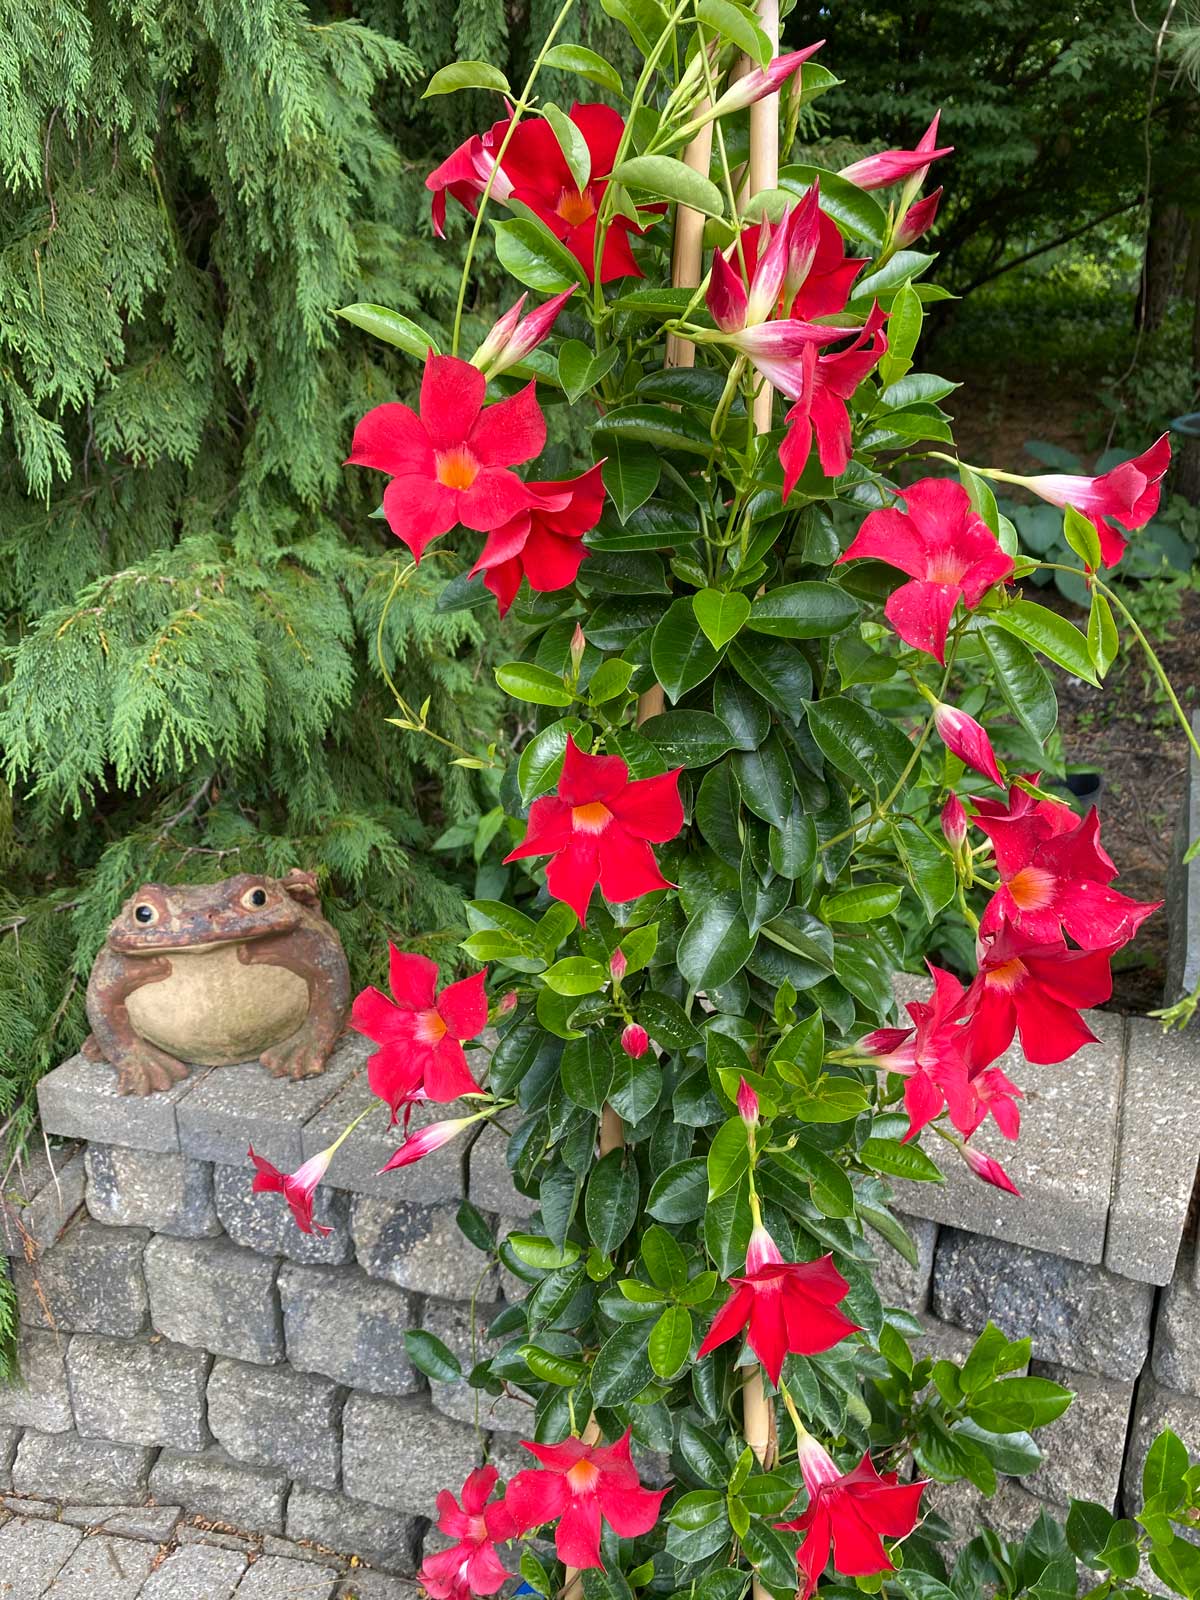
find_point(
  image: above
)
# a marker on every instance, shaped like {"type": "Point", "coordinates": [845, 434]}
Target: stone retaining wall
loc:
{"type": "Point", "coordinates": [182, 1340]}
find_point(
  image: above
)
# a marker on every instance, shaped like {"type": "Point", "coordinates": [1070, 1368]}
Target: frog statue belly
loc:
{"type": "Point", "coordinates": [215, 974]}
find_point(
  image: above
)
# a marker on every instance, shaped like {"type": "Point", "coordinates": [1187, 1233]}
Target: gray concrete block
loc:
{"type": "Point", "coordinates": [155, 1523]}
{"type": "Point", "coordinates": [90, 1281]}
{"type": "Point", "coordinates": [451, 1323]}
{"type": "Point", "coordinates": [210, 1484]}
{"type": "Point", "coordinates": [1084, 1447]}
{"type": "Point", "coordinates": [491, 1183]}
{"type": "Point", "coordinates": [8, 1450]}
{"type": "Point", "coordinates": [898, 1283]}
{"type": "Point", "coordinates": [942, 1341]}
{"type": "Point", "coordinates": [1157, 1153]}
{"type": "Point", "coordinates": [66, 1467]}
{"type": "Point", "coordinates": [39, 1398]}
{"type": "Point", "coordinates": [221, 1538]}
{"type": "Point", "coordinates": [32, 1554]}
{"type": "Point", "coordinates": [236, 1107]}
{"type": "Point", "coordinates": [274, 1417]}
{"type": "Point", "coordinates": [196, 1572]}
{"type": "Point", "coordinates": [39, 1197]}
{"type": "Point", "coordinates": [164, 1191]}
{"type": "Point", "coordinates": [1078, 1316]}
{"type": "Point", "coordinates": [264, 1222]}
{"type": "Point", "coordinates": [1183, 893]}
{"type": "Point", "coordinates": [139, 1391]}
{"type": "Point", "coordinates": [1063, 1162]}
{"type": "Point", "coordinates": [355, 1528]}
{"type": "Point", "coordinates": [1010, 1512]}
{"type": "Point", "coordinates": [1176, 1355]}
{"type": "Point", "coordinates": [420, 1248]}
{"type": "Point", "coordinates": [341, 1324]}
{"type": "Point", "coordinates": [400, 1453]}
{"type": "Point", "coordinates": [1154, 1409]}
{"type": "Point", "coordinates": [213, 1295]}
{"type": "Point", "coordinates": [356, 1165]}
{"type": "Point", "coordinates": [80, 1100]}
{"type": "Point", "coordinates": [103, 1568]}
{"type": "Point", "coordinates": [276, 1578]}
{"type": "Point", "coordinates": [376, 1586]}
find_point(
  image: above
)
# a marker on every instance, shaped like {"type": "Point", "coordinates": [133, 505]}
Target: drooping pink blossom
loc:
{"type": "Point", "coordinates": [1127, 494]}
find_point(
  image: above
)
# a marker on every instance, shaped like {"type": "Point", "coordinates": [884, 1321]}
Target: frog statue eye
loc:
{"type": "Point", "coordinates": [145, 914]}
{"type": "Point", "coordinates": [254, 897]}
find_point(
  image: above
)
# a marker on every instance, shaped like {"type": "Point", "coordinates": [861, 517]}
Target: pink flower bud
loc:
{"type": "Point", "coordinates": [617, 964]}
{"type": "Point", "coordinates": [762, 1251]}
{"type": "Point", "coordinates": [506, 1003]}
{"type": "Point", "coordinates": [954, 822]}
{"type": "Point", "coordinates": [891, 166]}
{"type": "Point", "coordinates": [762, 81]}
{"type": "Point", "coordinates": [513, 336]}
{"type": "Point", "coordinates": [747, 1104]}
{"type": "Point", "coordinates": [426, 1140]}
{"type": "Point", "coordinates": [989, 1169]}
{"type": "Point", "coordinates": [635, 1041]}
{"type": "Point", "coordinates": [968, 741]}
{"type": "Point", "coordinates": [918, 219]}
{"type": "Point", "coordinates": [578, 646]}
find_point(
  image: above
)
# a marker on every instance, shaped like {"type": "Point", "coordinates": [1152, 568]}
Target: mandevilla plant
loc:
{"type": "Point", "coordinates": [758, 648]}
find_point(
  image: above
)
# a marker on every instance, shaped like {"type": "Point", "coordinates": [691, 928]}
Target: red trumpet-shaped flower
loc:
{"type": "Point", "coordinates": [966, 739]}
{"type": "Point", "coordinates": [421, 1032]}
{"type": "Point", "coordinates": [451, 463]}
{"type": "Point", "coordinates": [930, 1056]}
{"type": "Point", "coordinates": [598, 829]}
{"type": "Point", "coordinates": [298, 1188]}
{"type": "Point", "coordinates": [426, 1140]}
{"type": "Point", "coordinates": [471, 1566]}
{"type": "Point", "coordinates": [543, 543]}
{"type": "Point", "coordinates": [819, 272]}
{"type": "Point", "coordinates": [948, 552]}
{"type": "Point", "coordinates": [787, 1307]}
{"type": "Point", "coordinates": [1054, 873]}
{"type": "Point", "coordinates": [891, 166]}
{"type": "Point", "coordinates": [827, 382]}
{"type": "Point", "coordinates": [850, 1513]}
{"type": "Point", "coordinates": [994, 1094]}
{"type": "Point", "coordinates": [512, 337]}
{"type": "Point", "coordinates": [578, 1485]}
{"type": "Point", "coordinates": [1127, 494]}
{"type": "Point", "coordinates": [465, 173]}
{"type": "Point", "coordinates": [1037, 990]}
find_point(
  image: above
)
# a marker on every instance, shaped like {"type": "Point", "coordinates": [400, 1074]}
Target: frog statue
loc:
{"type": "Point", "coordinates": [217, 973]}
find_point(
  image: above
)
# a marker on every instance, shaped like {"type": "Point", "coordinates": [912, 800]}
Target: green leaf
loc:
{"type": "Point", "coordinates": [1053, 635]}
{"type": "Point", "coordinates": [576, 58]}
{"type": "Point", "coordinates": [775, 670]}
{"type": "Point", "coordinates": [680, 1194]}
{"type": "Point", "coordinates": [850, 207]}
{"type": "Point", "coordinates": [666, 1021]}
{"type": "Point", "coordinates": [580, 370]}
{"type": "Point", "coordinates": [622, 1368]}
{"type": "Point", "coordinates": [803, 611]}
{"type": "Point", "coordinates": [680, 654]}
{"type": "Point", "coordinates": [716, 943]}
{"type": "Point", "coordinates": [721, 615]}
{"type": "Point", "coordinates": [1178, 1565]}
{"type": "Point", "coordinates": [467, 75]}
{"type": "Point", "coordinates": [534, 1573]}
{"type": "Point", "coordinates": [867, 902]}
{"type": "Point", "coordinates": [575, 975]}
{"type": "Point", "coordinates": [523, 681]}
{"type": "Point", "coordinates": [1102, 637]}
{"type": "Point", "coordinates": [430, 1356]}
{"type": "Point", "coordinates": [687, 738]}
{"type": "Point", "coordinates": [630, 472]}
{"type": "Point", "coordinates": [764, 778]}
{"type": "Point", "coordinates": [1120, 1554]}
{"type": "Point", "coordinates": [1080, 533]}
{"type": "Point", "coordinates": [587, 1070]}
{"type": "Point", "coordinates": [671, 1341]}
{"type": "Point", "coordinates": [551, 1367]}
{"type": "Point", "coordinates": [900, 1160]}
{"type": "Point", "coordinates": [571, 142]}
{"type": "Point", "coordinates": [537, 1251]}
{"type": "Point", "coordinates": [1013, 1403]}
{"type": "Point", "coordinates": [610, 679]}
{"type": "Point", "coordinates": [610, 1204]}
{"type": "Point", "coordinates": [831, 1190]}
{"type": "Point", "coordinates": [530, 253]}
{"type": "Point", "coordinates": [643, 19]}
{"type": "Point", "coordinates": [1165, 1467]}
{"type": "Point", "coordinates": [541, 760]}
{"type": "Point", "coordinates": [860, 742]}
{"type": "Point", "coordinates": [471, 1223]}
{"type": "Point", "coordinates": [636, 1086]}
{"type": "Point", "coordinates": [664, 1259]}
{"type": "Point", "coordinates": [392, 328]}
{"type": "Point", "coordinates": [1022, 681]}
{"type": "Point", "coordinates": [903, 331]}
{"type": "Point", "coordinates": [658, 426]}
{"type": "Point", "coordinates": [667, 179]}
{"type": "Point", "coordinates": [732, 23]}
{"type": "Point", "coordinates": [728, 1157]}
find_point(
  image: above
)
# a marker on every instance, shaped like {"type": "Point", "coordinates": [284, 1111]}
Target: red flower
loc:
{"type": "Point", "coordinates": [852, 1512]}
{"type": "Point", "coordinates": [297, 1188]}
{"type": "Point", "coordinates": [544, 542]}
{"type": "Point", "coordinates": [819, 272]}
{"type": "Point", "coordinates": [890, 166]}
{"type": "Point", "coordinates": [465, 173]}
{"type": "Point", "coordinates": [598, 829]}
{"type": "Point", "coordinates": [966, 739]}
{"type": "Point", "coordinates": [918, 219]}
{"type": "Point", "coordinates": [471, 1566]}
{"type": "Point", "coordinates": [420, 1035]}
{"type": "Point", "coordinates": [1054, 873]}
{"type": "Point", "coordinates": [989, 1169]}
{"type": "Point", "coordinates": [948, 552]}
{"type": "Point", "coordinates": [789, 1307]}
{"type": "Point", "coordinates": [450, 464]}
{"type": "Point", "coordinates": [1038, 990]}
{"type": "Point", "coordinates": [426, 1140]}
{"type": "Point", "coordinates": [540, 178]}
{"type": "Point", "coordinates": [579, 1484]}
{"type": "Point", "coordinates": [994, 1094]}
{"type": "Point", "coordinates": [635, 1041]}
{"type": "Point", "coordinates": [1128, 493]}
{"type": "Point", "coordinates": [827, 383]}
{"type": "Point", "coordinates": [929, 1056]}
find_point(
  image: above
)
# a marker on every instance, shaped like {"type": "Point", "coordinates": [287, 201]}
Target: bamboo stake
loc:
{"type": "Point", "coordinates": [687, 258]}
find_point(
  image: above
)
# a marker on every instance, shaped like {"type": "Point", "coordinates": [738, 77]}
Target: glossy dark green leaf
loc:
{"type": "Point", "coordinates": [622, 1368]}
{"type": "Point", "coordinates": [803, 611]}
{"type": "Point", "coordinates": [680, 653]}
{"type": "Point", "coordinates": [610, 1204]}
{"type": "Point", "coordinates": [630, 474]}
{"type": "Point", "coordinates": [680, 1194]}
{"type": "Point", "coordinates": [764, 778]}
{"type": "Point", "coordinates": [1046, 631]}
{"type": "Point", "coordinates": [587, 1070]}
{"type": "Point", "coordinates": [860, 742]}
{"type": "Point", "coordinates": [775, 670]}
{"type": "Point", "coordinates": [688, 738]}
{"type": "Point", "coordinates": [531, 254]}
{"type": "Point", "coordinates": [716, 943]}
{"type": "Point", "coordinates": [1022, 681]}
{"type": "Point", "coordinates": [744, 713]}
{"type": "Point", "coordinates": [671, 1341]}
{"type": "Point", "coordinates": [430, 1356]}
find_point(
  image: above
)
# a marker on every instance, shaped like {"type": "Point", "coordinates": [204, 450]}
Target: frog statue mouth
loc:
{"type": "Point", "coordinates": [194, 937]}
{"type": "Point", "coordinates": [161, 918]}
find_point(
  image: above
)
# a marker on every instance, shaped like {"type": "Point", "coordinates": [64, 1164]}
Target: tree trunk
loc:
{"type": "Point", "coordinates": [1157, 287]}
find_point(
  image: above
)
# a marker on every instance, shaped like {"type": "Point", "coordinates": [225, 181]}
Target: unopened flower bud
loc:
{"type": "Point", "coordinates": [578, 646]}
{"type": "Point", "coordinates": [747, 1104]}
{"type": "Point", "coordinates": [989, 1169]}
{"type": "Point", "coordinates": [513, 336]}
{"type": "Point", "coordinates": [635, 1041]}
{"type": "Point", "coordinates": [966, 739]}
{"type": "Point", "coordinates": [506, 1003]}
{"type": "Point", "coordinates": [617, 964]}
{"type": "Point", "coordinates": [954, 822]}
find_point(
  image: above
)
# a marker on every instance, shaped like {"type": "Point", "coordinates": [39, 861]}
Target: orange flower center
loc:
{"type": "Point", "coordinates": [1008, 976]}
{"type": "Point", "coordinates": [945, 567]}
{"type": "Point", "coordinates": [583, 1477]}
{"type": "Point", "coordinates": [430, 1029]}
{"type": "Point", "coordinates": [457, 468]}
{"type": "Point", "coordinates": [575, 208]}
{"type": "Point", "coordinates": [1032, 888]}
{"type": "Point", "coordinates": [592, 818]}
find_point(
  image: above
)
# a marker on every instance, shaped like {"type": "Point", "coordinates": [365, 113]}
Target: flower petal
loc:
{"type": "Point", "coordinates": [463, 1006]}
{"type": "Point", "coordinates": [413, 979]}
{"type": "Point", "coordinates": [512, 430]}
{"type": "Point", "coordinates": [452, 393]}
{"type": "Point", "coordinates": [392, 438]}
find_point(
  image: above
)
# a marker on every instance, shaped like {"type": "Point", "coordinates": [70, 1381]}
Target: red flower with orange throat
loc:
{"type": "Point", "coordinates": [929, 1055]}
{"type": "Point", "coordinates": [452, 462]}
{"type": "Point", "coordinates": [1038, 990]}
{"type": "Point", "coordinates": [786, 1307]}
{"type": "Point", "coordinates": [578, 1485]}
{"type": "Point", "coordinates": [421, 1032]}
{"type": "Point", "coordinates": [598, 829]}
{"type": "Point", "coordinates": [544, 543]}
{"type": "Point", "coordinates": [850, 1513]}
{"type": "Point", "coordinates": [471, 1565]}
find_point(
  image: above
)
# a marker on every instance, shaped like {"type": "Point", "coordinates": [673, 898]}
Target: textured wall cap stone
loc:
{"type": "Point", "coordinates": [340, 1323]}
{"type": "Point", "coordinates": [196, 1572]}
{"type": "Point", "coordinates": [1176, 1358]}
{"type": "Point", "coordinates": [79, 1100]}
{"type": "Point", "coordinates": [1078, 1316]}
{"type": "Point", "coordinates": [399, 1453]}
{"type": "Point", "coordinates": [375, 1586]}
{"type": "Point", "coordinates": [211, 1484]}
{"type": "Point", "coordinates": [103, 1568]}
{"type": "Point", "coordinates": [420, 1248]}
{"type": "Point", "coordinates": [492, 1186]}
{"type": "Point", "coordinates": [356, 1165]}
{"type": "Point", "coordinates": [38, 1199]}
{"type": "Point", "coordinates": [213, 1295]}
{"type": "Point", "coordinates": [1084, 1447]}
{"type": "Point", "coordinates": [274, 1417]}
{"type": "Point", "coordinates": [89, 1281]}
{"type": "Point", "coordinates": [139, 1391]}
{"type": "Point", "coordinates": [41, 1399]}
{"type": "Point", "coordinates": [163, 1191]}
{"type": "Point", "coordinates": [264, 1222]}
{"type": "Point", "coordinates": [32, 1554]}
{"type": "Point", "coordinates": [66, 1467]}
{"type": "Point", "coordinates": [352, 1527]}
{"type": "Point", "coordinates": [276, 1578]}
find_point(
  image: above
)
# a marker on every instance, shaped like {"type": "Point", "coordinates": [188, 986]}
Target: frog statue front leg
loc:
{"type": "Point", "coordinates": [141, 1066]}
{"type": "Point", "coordinates": [314, 954]}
